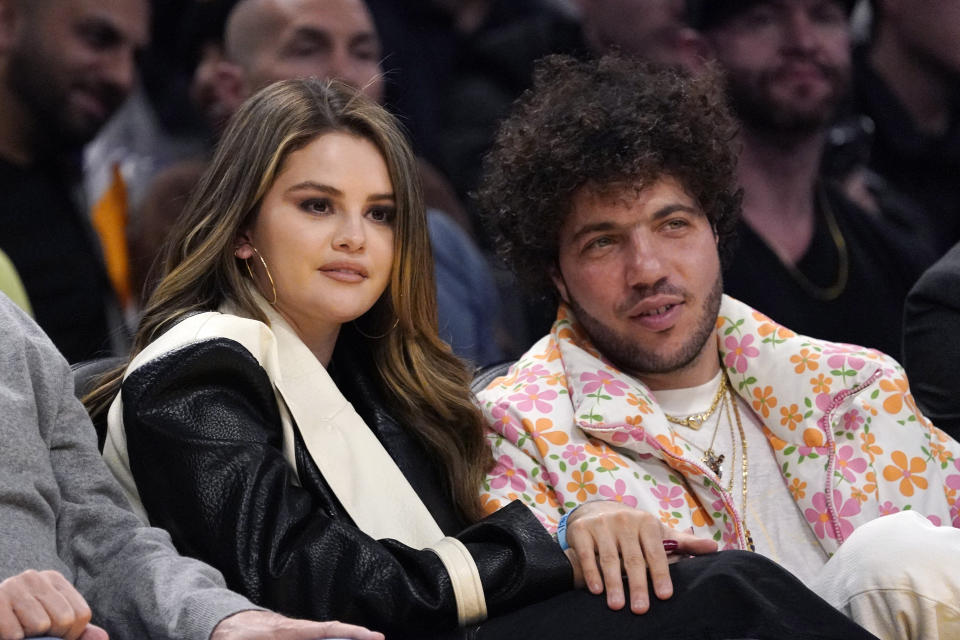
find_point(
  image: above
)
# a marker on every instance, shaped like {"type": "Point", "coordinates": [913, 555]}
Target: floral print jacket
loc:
{"type": "Point", "coordinates": [567, 427]}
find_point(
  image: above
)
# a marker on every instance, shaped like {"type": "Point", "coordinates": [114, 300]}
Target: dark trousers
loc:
{"type": "Point", "coordinates": [722, 596]}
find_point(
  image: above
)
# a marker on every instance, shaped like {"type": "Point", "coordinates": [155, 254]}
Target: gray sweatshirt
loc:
{"type": "Point", "coordinates": [61, 509]}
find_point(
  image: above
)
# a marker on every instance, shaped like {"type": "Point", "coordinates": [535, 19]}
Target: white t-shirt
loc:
{"type": "Point", "coordinates": [779, 529]}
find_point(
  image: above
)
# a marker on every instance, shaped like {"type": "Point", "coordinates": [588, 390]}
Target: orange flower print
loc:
{"type": "Point", "coordinates": [545, 494]}
{"type": "Point", "coordinates": [907, 473]}
{"type": "Point", "coordinates": [667, 518]}
{"type": "Point", "coordinates": [669, 446]}
{"type": "Point", "coordinates": [605, 455]}
{"type": "Point", "coordinates": [642, 405]}
{"type": "Point", "coordinates": [556, 379]}
{"type": "Point", "coordinates": [871, 482]}
{"type": "Point", "coordinates": [767, 328]}
{"type": "Point", "coordinates": [821, 384]}
{"type": "Point", "coordinates": [697, 512]}
{"type": "Point", "coordinates": [805, 360]}
{"type": "Point", "coordinates": [539, 432]}
{"type": "Point", "coordinates": [489, 504]}
{"type": "Point", "coordinates": [582, 485]}
{"type": "Point", "coordinates": [813, 437]}
{"type": "Point", "coordinates": [798, 489]}
{"type": "Point", "coordinates": [553, 353]}
{"type": "Point", "coordinates": [939, 452]}
{"type": "Point", "coordinates": [764, 400]}
{"type": "Point", "coordinates": [791, 416]}
{"type": "Point", "coordinates": [859, 494]}
{"type": "Point", "coordinates": [869, 445]}
{"type": "Point", "coordinates": [898, 389]}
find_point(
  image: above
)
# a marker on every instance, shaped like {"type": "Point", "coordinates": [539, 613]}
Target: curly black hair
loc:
{"type": "Point", "coordinates": [602, 122]}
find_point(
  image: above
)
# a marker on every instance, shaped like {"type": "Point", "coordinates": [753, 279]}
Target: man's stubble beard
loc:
{"type": "Point", "coordinates": [631, 357]}
{"type": "Point", "coordinates": [756, 106]}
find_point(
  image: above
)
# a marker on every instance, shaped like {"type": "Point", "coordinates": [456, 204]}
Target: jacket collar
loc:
{"type": "Point", "coordinates": [758, 355]}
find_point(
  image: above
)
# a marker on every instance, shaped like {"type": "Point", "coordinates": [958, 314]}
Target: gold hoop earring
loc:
{"type": "Point", "coordinates": [384, 335]}
{"type": "Point", "coordinates": [266, 270]}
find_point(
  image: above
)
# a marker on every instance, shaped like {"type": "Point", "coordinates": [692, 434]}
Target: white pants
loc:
{"type": "Point", "coordinates": [899, 577]}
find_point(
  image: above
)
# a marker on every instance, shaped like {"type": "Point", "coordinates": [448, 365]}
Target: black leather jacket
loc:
{"type": "Point", "coordinates": [204, 440]}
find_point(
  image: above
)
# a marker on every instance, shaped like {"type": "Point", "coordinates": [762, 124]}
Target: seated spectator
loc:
{"type": "Point", "coordinates": [71, 550]}
{"type": "Point", "coordinates": [290, 415]}
{"type": "Point", "coordinates": [60, 85]}
{"type": "Point", "coordinates": [808, 255]}
{"type": "Point", "coordinates": [266, 41]}
{"type": "Point", "coordinates": [931, 342]}
{"type": "Point", "coordinates": [654, 30]}
{"type": "Point", "coordinates": [907, 80]}
{"type": "Point", "coordinates": [656, 391]}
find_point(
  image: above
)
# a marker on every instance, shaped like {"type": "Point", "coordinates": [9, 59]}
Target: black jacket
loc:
{"type": "Point", "coordinates": [204, 440]}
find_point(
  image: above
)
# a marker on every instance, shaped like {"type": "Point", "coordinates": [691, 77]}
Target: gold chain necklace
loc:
{"type": "Point", "coordinates": [825, 294]}
{"type": "Point", "coordinates": [743, 445]}
{"type": "Point", "coordinates": [710, 457]}
{"type": "Point", "coordinates": [695, 421]}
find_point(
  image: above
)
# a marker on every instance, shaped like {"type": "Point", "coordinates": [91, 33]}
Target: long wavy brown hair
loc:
{"type": "Point", "coordinates": [426, 386]}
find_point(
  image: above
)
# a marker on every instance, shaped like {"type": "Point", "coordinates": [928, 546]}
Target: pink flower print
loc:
{"type": "Point", "coordinates": [847, 465]}
{"type": "Point", "coordinates": [887, 508]}
{"type": "Point", "coordinates": [605, 379]}
{"type": "Point", "coordinates": [819, 517]}
{"type": "Point", "coordinates": [531, 396]}
{"type": "Point", "coordinates": [533, 373]}
{"type": "Point", "coordinates": [574, 453]}
{"type": "Point", "coordinates": [823, 401]}
{"type": "Point", "coordinates": [953, 482]}
{"type": "Point", "coordinates": [505, 472]}
{"type": "Point", "coordinates": [668, 496]}
{"type": "Point", "coordinates": [837, 362]}
{"type": "Point", "coordinates": [852, 420]}
{"type": "Point", "coordinates": [955, 514]}
{"type": "Point", "coordinates": [504, 422]}
{"type": "Point", "coordinates": [636, 433]}
{"type": "Point", "coordinates": [935, 520]}
{"type": "Point", "coordinates": [618, 493]}
{"type": "Point", "coordinates": [738, 351]}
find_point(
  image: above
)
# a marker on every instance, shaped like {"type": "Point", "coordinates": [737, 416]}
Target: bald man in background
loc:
{"type": "Point", "coordinates": [270, 40]}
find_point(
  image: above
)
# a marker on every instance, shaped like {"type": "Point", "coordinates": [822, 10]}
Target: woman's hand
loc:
{"type": "Point", "coordinates": [44, 603]}
{"type": "Point", "coordinates": [625, 540]}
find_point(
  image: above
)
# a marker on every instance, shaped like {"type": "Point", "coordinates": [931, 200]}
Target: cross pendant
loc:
{"type": "Point", "coordinates": [713, 462]}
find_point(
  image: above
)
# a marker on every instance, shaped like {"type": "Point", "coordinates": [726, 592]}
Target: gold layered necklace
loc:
{"type": "Point", "coordinates": [695, 420]}
{"type": "Point", "coordinates": [710, 458]}
{"type": "Point", "coordinates": [743, 449]}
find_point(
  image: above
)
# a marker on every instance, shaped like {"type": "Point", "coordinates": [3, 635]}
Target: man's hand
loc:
{"type": "Point", "coordinates": [266, 625]}
{"type": "Point", "coordinates": [625, 540]}
{"type": "Point", "coordinates": [43, 603]}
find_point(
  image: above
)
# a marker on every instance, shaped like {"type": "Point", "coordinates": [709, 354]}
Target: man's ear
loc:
{"type": "Point", "coordinates": [559, 283]}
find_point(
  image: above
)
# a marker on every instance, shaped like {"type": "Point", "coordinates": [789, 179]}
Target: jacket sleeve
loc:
{"type": "Point", "coordinates": [204, 440]}
{"type": "Point", "coordinates": [60, 496]}
{"type": "Point", "coordinates": [931, 342]}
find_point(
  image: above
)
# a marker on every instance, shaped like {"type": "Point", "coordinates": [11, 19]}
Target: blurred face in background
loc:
{"type": "Point", "coordinates": [654, 30]}
{"type": "Point", "coordinates": [275, 40]}
{"type": "Point", "coordinates": [72, 63]}
{"type": "Point", "coordinates": [787, 63]}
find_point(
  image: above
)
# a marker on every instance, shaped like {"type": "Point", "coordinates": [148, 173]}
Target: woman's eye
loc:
{"type": "Point", "coordinates": [319, 206]}
{"type": "Point", "coordinates": [382, 214]}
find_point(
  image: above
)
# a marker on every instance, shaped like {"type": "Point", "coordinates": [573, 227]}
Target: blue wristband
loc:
{"type": "Point", "coordinates": [562, 531]}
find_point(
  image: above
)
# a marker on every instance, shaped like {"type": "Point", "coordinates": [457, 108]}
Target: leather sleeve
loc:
{"type": "Point", "coordinates": [931, 342]}
{"type": "Point", "coordinates": [204, 439]}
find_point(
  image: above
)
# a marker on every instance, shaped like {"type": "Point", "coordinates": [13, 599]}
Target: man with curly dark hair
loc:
{"type": "Point", "coordinates": [612, 188]}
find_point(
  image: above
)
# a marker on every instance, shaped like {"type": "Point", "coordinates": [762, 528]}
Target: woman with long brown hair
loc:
{"type": "Point", "coordinates": [291, 417]}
